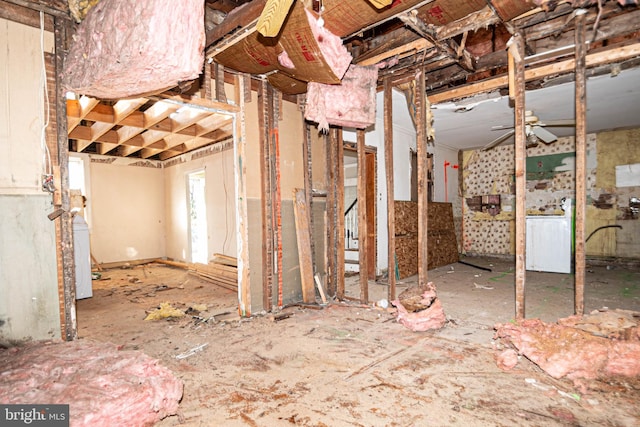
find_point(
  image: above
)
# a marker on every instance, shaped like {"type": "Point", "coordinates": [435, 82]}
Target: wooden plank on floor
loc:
{"type": "Point", "coordinates": [304, 246]}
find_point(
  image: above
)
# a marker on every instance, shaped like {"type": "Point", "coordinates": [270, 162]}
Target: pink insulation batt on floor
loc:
{"type": "Point", "coordinates": [102, 385]}
{"type": "Point", "coordinates": [128, 48]}
{"type": "Point", "coordinates": [564, 351]}
{"type": "Point", "coordinates": [352, 103]}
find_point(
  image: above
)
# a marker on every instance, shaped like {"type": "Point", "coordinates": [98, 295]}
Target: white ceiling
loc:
{"type": "Point", "coordinates": [612, 103]}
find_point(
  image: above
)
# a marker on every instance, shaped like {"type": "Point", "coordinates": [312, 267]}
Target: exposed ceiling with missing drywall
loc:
{"type": "Point", "coordinates": [460, 46]}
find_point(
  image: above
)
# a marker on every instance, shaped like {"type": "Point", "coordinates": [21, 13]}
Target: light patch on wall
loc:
{"type": "Point", "coordinates": [132, 253]}
{"type": "Point", "coordinates": [628, 175]}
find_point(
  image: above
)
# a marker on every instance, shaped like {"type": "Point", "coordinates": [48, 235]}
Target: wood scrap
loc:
{"type": "Point", "coordinates": [220, 274]}
{"type": "Point", "coordinates": [224, 259]}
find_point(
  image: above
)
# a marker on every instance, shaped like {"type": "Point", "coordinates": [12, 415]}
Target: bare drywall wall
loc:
{"type": "Point", "coordinates": [217, 163]}
{"type": "Point", "coordinates": [127, 209]}
{"type": "Point", "coordinates": [29, 307]}
{"type": "Point", "coordinates": [21, 107]}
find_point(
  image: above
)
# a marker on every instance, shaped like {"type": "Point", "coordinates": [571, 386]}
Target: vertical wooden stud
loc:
{"type": "Point", "coordinates": [516, 51]}
{"type": "Point", "coordinates": [339, 188]}
{"type": "Point", "coordinates": [423, 170]}
{"type": "Point", "coordinates": [308, 186]}
{"type": "Point", "coordinates": [242, 225]}
{"type": "Point", "coordinates": [581, 160]}
{"type": "Point", "coordinates": [331, 142]}
{"type": "Point", "coordinates": [221, 96]}
{"type": "Point", "coordinates": [388, 161]}
{"type": "Point", "coordinates": [66, 219]}
{"type": "Point", "coordinates": [363, 245]}
{"type": "Point", "coordinates": [265, 201]}
{"type": "Point", "coordinates": [208, 90]}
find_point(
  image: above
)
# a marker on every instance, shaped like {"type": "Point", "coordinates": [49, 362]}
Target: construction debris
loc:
{"type": "Point", "coordinates": [419, 308]}
{"type": "Point", "coordinates": [105, 386]}
{"type": "Point", "coordinates": [165, 311]}
{"type": "Point", "coordinates": [220, 271]}
{"type": "Point", "coordinates": [567, 351]}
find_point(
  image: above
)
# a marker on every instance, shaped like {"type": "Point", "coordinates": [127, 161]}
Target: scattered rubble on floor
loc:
{"type": "Point", "coordinates": [419, 308]}
{"type": "Point", "coordinates": [103, 385]}
{"type": "Point", "coordinates": [165, 311]}
{"type": "Point", "coordinates": [603, 344]}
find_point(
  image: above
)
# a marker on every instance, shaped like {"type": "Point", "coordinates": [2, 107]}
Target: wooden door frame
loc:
{"type": "Point", "coordinates": [371, 162]}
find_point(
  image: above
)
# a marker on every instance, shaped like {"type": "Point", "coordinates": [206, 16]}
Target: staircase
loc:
{"type": "Point", "coordinates": [351, 253]}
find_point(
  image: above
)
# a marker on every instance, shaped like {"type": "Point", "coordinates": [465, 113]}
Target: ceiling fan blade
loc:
{"type": "Point", "coordinates": [543, 134]}
{"type": "Point", "coordinates": [559, 123]}
{"type": "Point", "coordinates": [499, 140]}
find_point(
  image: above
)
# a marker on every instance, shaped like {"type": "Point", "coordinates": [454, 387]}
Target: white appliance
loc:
{"type": "Point", "coordinates": [548, 242]}
{"type": "Point", "coordinates": [82, 258]}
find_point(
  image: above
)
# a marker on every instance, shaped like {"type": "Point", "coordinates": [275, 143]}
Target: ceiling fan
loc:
{"type": "Point", "coordinates": [534, 130]}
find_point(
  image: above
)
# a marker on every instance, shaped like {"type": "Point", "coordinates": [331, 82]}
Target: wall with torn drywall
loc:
{"type": "Point", "coordinates": [217, 163]}
{"type": "Point", "coordinates": [29, 307]}
{"type": "Point", "coordinates": [127, 201]}
{"type": "Point", "coordinates": [615, 198]}
{"type": "Point", "coordinates": [489, 193]}
{"type": "Point", "coordinates": [292, 164]}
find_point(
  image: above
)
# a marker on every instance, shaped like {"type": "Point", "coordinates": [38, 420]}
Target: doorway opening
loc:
{"type": "Point", "coordinates": [196, 204]}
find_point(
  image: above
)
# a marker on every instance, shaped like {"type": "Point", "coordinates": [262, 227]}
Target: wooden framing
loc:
{"type": "Point", "coordinates": [388, 161]}
{"type": "Point", "coordinates": [66, 224]}
{"type": "Point", "coordinates": [516, 51]}
{"type": "Point", "coordinates": [331, 143]}
{"type": "Point", "coordinates": [275, 190]}
{"type": "Point", "coordinates": [242, 225]}
{"type": "Point", "coordinates": [363, 242]}
{"type": "Point", "coordinates": [593, 59]}
{"type": "Point", "coordinates": [265, 201]}
{"type": "Point", "coordinates": [423, 170]}
{"type": "Point", "coordinates": [581, 161]}
{"type": "Point", "coordinates": [339, 184]}
{"type": "Point", "coordinates": [308, 186]}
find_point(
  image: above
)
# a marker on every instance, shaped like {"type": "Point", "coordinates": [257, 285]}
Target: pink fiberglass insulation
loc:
{"type": "Point", "coordinates": [432, 317]}
{"type": "Point", "coordinates": [127, 48]}
{"type": "Point", "coordinates": [564, 351]}
{"type": "Point", "coordinates": [352, 103]}
{"type": "Point", "coordinates": [102, 385]}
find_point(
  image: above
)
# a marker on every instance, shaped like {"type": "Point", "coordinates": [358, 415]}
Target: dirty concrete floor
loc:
{"type": "Point", "coordinates": [351, 364]}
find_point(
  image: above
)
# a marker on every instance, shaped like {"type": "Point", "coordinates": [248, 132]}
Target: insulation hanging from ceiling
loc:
{"type": "Point", "coordinates": [350, 104]}
{"type": "Point", "coordinates": [124, 49]}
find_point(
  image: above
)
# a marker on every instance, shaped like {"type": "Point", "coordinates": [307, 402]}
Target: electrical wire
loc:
{"type": "Point", "coordinates": [47, 166]}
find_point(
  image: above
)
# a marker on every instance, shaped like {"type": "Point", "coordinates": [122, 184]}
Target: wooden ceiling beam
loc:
{"type": "Point", "coordinates": [595, 58]}
{"type": "Point", "coordinates": [449, 47]}
{"type": "Point", "coordinates": [77, 110]}
{"type": "Point", "coordinates": [481, 19]}
{"type": "Point", "coordinates": [57, 8]}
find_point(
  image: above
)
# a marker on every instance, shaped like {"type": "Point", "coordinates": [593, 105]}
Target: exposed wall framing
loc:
{"type": "Point", "coordinates": [581, 161]}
